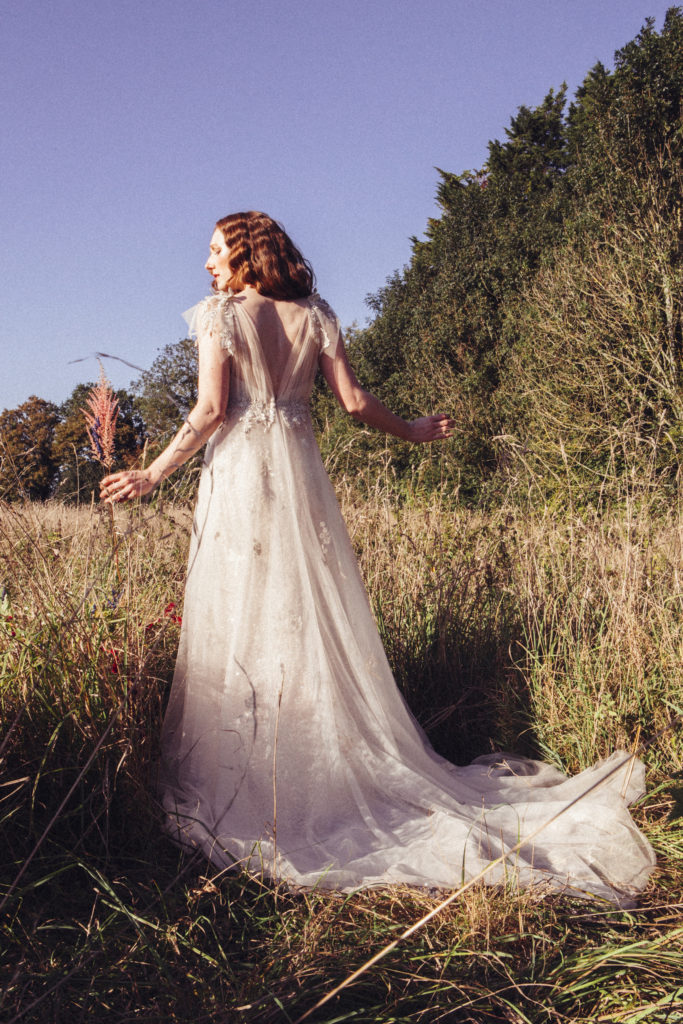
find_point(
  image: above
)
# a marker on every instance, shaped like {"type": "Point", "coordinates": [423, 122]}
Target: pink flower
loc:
{"type": "Point", "coordinates": [101, 420]}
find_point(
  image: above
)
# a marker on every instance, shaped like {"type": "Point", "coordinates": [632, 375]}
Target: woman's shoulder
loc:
{"type": "Point", "coordinates": [211, 303]}
{"type": "Point", "coordinates": [214, 316]}
{"type": "Point", "coordinates": [317, 302]}
{"type": "Point", "coordinates": [325, 323]}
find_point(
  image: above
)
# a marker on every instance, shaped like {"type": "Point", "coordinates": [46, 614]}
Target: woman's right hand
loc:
{"type": "Point", "coordinates": [431, 428]}
{"type": "Point", "coordinates": [127, 484]}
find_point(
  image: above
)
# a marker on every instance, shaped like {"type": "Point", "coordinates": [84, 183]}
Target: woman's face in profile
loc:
{"type": "Point", "coordinates": [217, 263]}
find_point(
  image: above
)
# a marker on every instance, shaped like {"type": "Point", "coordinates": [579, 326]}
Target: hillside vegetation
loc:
{"type": "Point", "coordinates": [544, 306]}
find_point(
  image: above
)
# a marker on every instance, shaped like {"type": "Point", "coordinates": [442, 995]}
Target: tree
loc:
{"type": "Point", "coordinates": [438, 324]}
{"type": "Point", "coordinates": [453, 328]}
{"type": "Point", "coordinates": [600, 399]}
{"type": "Point", "coordinates": [166, 392]}
{"type": "Point", "coordinates": [629, 120]}
{"type": "Point", "coordinates": [27, 465]}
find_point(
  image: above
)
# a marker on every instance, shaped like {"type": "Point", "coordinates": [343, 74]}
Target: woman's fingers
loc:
{"type": "Point", "coordinates": [432, 428]}
{"type": "Point", "coordinates": [132, 483]}
{"type": "Point", "coordinates": [444, 426]}
{"type": "Point", "coordinates": [120, 486]}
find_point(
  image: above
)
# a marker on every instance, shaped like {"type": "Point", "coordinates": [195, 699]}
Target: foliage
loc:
{"type": "Point", "coordinates": [438, 323]}
{"type": "Point", "coordinates": [46, 450]}
{"type": "Point", "coordinates": [600, 402]}
{"type": "Point", "coordinates": [634, 113]}
{"type": "Point", "coordinates": [460, 328]}
{"type": "Point", "coordinates": [168, 390]}
{"type": "Point", "coordinates": [28, 468]}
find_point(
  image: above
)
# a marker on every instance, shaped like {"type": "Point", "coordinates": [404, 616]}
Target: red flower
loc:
{"type": "Point", "coordinates": [115, 665]}
{"type": "Point", "coordinates": [168, 610]}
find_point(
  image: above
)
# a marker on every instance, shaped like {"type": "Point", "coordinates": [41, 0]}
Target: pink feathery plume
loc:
{"type": "Point", "coordinates": [101, 420]}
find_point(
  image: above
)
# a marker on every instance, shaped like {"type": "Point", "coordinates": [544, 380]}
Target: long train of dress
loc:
{"type": "Point", "coordinates": [287, 746]}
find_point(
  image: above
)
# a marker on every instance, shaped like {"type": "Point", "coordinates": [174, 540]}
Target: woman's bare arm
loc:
{"type": "Point", "coordinates": [363, 405]}
{"type": "Point", "coordinates": [213, 387]}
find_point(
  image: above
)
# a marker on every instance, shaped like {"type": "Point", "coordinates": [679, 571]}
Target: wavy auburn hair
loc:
{"type": "Point", "coordinates": [263, 255]}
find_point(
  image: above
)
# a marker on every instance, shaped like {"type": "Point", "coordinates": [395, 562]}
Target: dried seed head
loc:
{"type": "Point", "coordinates": [101, 416]}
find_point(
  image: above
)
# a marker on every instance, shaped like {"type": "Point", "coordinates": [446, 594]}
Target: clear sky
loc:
{"type": "Point", "coordinates": [129, 127]}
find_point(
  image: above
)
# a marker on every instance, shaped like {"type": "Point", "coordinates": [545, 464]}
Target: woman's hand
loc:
{"type": "Point", "coordinates": [130, 483]}
{"type": "Point", "coordinates": [430, 428]}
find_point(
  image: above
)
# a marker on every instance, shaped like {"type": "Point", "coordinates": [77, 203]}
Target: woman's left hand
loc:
{"type": "Point", "coordinates": [431, 428]}
{"type": "Point", "coordinates": [130, 483]}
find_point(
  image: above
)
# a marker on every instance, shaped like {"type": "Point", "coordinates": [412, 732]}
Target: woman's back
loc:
{"type": "Point", "coordinates": [281, 326]}
{"type": "Point", "coordinates": [274, 344]}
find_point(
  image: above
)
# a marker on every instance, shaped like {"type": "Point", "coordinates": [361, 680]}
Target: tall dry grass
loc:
{"type": "Point", "coordinates": [506, 629]}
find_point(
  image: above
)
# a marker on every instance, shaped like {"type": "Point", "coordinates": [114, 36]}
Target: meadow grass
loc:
{"type": "Point", "coordinates": [556, 636]}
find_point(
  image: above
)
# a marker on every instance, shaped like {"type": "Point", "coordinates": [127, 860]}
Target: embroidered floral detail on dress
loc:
{"type": "Point", "coordinates": [294, 623]}
{"type": "Point", "coordinates": [321, 315]}
{"type": "Point", "coordinates": [293, 412]}
{"type": "Point", "coordinates": [215, 316]}
{"type": "Point", "coordinates": [325, 540]}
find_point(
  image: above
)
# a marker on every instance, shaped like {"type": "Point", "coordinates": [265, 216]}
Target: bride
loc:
{"type": "Point", "coordinates": [286, 746]}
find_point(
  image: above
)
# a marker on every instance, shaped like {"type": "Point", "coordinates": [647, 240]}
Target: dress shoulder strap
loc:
{"type": "Point", "coordinates": [325, 323]}
{"type": "Point", "coordinates": [215, 316]}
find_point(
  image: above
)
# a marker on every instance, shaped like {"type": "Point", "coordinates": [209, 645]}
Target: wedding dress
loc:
{"type": "Point", "coordinates": [286, 746]}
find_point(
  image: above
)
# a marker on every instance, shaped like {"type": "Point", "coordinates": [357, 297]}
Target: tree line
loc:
{"type": "Point", "coordinates": [45, 449]}
{"type": "Point", "coordinates": [542, 308]}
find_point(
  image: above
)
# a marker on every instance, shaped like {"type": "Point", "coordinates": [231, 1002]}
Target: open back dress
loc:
{"type": "Point", "coordinates": [287, 747]}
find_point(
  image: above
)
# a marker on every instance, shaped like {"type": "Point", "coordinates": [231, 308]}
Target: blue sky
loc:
{"type": "Point", "coordinates": [129, 128]}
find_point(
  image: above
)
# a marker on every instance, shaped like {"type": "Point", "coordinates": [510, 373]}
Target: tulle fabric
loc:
{"type": "Point", "coordinates": [287, 747]}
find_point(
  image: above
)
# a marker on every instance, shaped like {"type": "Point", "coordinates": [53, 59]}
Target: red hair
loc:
{"type": "Point", "coordinates": [262, 255]}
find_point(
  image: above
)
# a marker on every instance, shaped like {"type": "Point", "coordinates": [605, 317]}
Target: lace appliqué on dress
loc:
{"type": "Point", "coordinates": [293, 412]}
{"type": "Point", "coordinates": [215, 316]}
{"type": "Point", "coordinates": [322, 315]}
{"type": "Point", "coordinates": [325, 539]}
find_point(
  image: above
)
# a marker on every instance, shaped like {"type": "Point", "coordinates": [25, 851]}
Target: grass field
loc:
{"type": "Point", "coordinates": [557, 636]}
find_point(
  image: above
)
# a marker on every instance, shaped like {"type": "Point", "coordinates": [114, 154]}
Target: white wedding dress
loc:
{"type": "Point", "coordinates": [287, 746]}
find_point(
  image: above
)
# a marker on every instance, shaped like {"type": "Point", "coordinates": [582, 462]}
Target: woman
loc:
{"type": "Point", "coordinates": [286, 744]}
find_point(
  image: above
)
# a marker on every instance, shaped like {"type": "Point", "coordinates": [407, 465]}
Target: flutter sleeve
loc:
{"type": "Point", "coordinates": [326, 325]}
{"type": "Point", "coordinates": [213, 316]}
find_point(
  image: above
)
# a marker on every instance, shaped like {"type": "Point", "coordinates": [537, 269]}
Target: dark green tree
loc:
{"type": "Point", "coordinates": [451, 329]}
{"type": "Point", "coordinates": [168, 390]}
{"type": "Point", "coordinates": [28, 469]}
{"type": "Point", "coordinates": [626, 124]}
{"type": "Point", "coordinates": [437, 330]}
